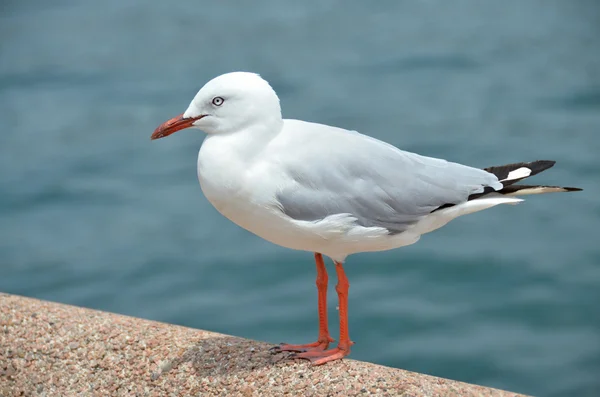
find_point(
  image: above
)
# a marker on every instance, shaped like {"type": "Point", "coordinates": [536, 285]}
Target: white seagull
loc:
{"type": "Point", "coordinates": [327, 190]}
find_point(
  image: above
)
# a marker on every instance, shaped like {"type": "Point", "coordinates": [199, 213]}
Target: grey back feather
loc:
{"type": "Point", "coordinates": [372, 181]}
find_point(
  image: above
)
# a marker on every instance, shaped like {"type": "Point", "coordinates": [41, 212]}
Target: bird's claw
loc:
{"type": "Point", "coordinates": [276, 349]}
{"type": "Point", "coordinates": [322, 357]}
{"type": "Point", "coordinates": [317, 346]}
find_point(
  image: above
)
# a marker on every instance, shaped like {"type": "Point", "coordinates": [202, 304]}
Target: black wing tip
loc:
{"type": "Point", "coordinates": [535, 167]}
{"type": "Point", "coordinates": [539, 165]}
{"type": "Point", "coordinates": [549, 162]}
{"type": "Point", "coordinates": [572, 189]}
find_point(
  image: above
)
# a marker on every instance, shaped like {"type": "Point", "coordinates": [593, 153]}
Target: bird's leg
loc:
{"type": "Point", "coordinates": [324, 339]}
{"type": "Point", "coordinates": [343, 347]}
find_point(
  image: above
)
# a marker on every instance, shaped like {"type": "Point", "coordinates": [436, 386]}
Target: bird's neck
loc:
{"type": "Point", "coordinates": [237, 149]}
{"type": "Point", "coordinates": [246, 144]}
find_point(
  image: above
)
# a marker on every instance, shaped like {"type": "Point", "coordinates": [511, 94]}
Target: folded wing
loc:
{"type": "Point", "coordinates": [344, 172]}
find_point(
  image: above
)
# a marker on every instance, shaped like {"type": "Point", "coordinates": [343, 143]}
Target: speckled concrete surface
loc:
{"type": "Point", "coordinates": [50, 349]}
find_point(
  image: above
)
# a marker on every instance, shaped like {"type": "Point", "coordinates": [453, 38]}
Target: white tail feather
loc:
{"type": "Point", "coordinates": [537, 190]}
{"type": "Point", "coordinates": [437, 219]}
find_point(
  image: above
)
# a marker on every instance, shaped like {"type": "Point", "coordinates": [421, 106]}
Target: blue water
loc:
{"type": "Point", "coordinates": [93, 213]}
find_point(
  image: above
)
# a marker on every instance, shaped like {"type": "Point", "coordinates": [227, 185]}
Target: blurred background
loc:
{"type": "Point", "coordinates": [93, 213]}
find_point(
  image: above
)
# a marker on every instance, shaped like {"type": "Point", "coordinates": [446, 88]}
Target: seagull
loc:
{"type": "Point", "coordinates": [327, 190]}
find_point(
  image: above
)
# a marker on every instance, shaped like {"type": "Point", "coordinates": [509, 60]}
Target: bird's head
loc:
{"type": "Point", "coordinates": [226, 104]}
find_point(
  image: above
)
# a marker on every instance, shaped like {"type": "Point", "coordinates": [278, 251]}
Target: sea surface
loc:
{"type": "Point", "coordinates": [93, 213]}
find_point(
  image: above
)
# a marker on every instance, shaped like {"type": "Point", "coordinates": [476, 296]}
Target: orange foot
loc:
{"type": "Point", "coordinates": [318, 346]}
{"type": "Point", "coordinates": [322, 357]}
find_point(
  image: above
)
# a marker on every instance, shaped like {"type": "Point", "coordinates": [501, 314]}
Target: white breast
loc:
{"type": "Point", "coordinates": [244, 191]}
{"type": "Point", "coordinates": [228, 181]}
{"type": "Point", "coordinates": [221, 175]}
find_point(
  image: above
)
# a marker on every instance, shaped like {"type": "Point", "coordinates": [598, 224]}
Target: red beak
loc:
{"type": "Point", "coordinates": [175, 124]}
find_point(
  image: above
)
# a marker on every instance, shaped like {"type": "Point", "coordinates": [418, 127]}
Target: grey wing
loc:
{"type": "Point", "coordinates": [378, 185]}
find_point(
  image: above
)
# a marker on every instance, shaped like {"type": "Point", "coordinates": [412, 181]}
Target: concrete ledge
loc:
{"type": "Point", "coordinates": [51, 349]}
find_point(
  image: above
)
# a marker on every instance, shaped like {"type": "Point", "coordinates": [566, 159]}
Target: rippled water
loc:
{"type": "Point", "coordinates": [93, 213]}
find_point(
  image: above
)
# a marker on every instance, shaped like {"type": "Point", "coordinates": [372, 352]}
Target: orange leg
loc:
{"type": "Point", "coordinates": [324, 339]}
{"type": "Point", "coordinates": [343, 347]}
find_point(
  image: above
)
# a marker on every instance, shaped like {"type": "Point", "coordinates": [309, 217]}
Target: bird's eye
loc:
{"type": "Point", "coordinates": [218, 101]}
